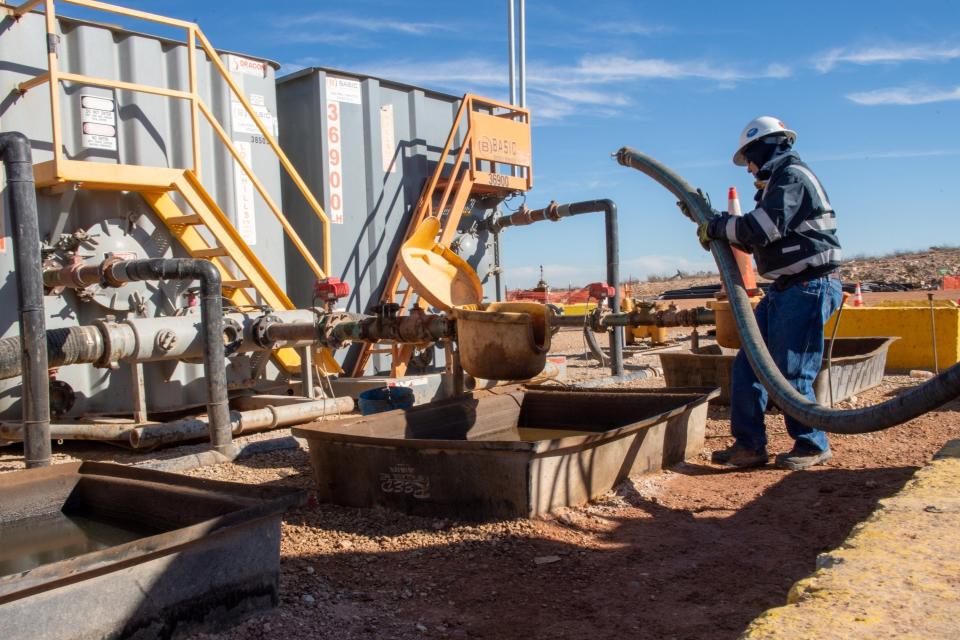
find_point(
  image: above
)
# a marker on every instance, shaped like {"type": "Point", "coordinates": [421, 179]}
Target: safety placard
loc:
{"type": "Point", "coordinates": [242, 122]}
{"type": "Point", "coordinates": [343, 90]}
{"type": "Point", "coordinates": [243, 192]}
{"type": "Point", "coordinates": [98, 122]}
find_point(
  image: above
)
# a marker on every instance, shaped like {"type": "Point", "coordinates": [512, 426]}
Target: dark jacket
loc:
{"type": "Point", "coordinates": [793, 230]}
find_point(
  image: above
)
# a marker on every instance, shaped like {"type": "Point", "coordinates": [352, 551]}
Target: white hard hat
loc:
{"type": "Point", "coordinates": [756, 129]}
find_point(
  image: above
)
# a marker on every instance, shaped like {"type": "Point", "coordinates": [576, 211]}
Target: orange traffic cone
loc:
{"type": "Point", "coordinates": [743, 259]}
{"type": "Point", "coordinates": [858, 297]}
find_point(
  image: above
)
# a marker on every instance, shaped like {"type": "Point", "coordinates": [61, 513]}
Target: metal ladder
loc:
{"type": "Point", "coordinates": [497, 137]}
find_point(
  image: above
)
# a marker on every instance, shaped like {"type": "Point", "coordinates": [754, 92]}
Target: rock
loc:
{"type": "Point", "coordinates": [422, 628]}
{"type": "Point", "coordinates": [310, 570]}
{"type": "Point", "coordinates": [539, 560]}
{"type": "Point", "coordinates": [308, 599]}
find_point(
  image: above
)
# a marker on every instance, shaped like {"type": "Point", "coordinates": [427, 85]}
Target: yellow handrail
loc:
{"type": "Point", "coordinates": [54, 77]}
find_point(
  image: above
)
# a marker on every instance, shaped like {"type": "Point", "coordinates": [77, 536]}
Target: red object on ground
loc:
{"type": "Point", "coordinates": [330, 289]}
{"type": "Point", "coordinates": [744, 261]}
{"type": "Point", "coordinates": [951, 282]}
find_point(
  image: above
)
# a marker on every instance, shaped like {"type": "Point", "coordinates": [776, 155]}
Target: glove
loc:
{"type": "Point", "coordinates": [703, 235]}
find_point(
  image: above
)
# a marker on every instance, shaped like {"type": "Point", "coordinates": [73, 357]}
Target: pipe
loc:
{"type": "Point", "coordinates": [152, 435]}
{"type": "Point", "coordinates": [240, 422]}
{"type": "Point", "coordinates": [555, 212]}
{"type": "Point", "coordinates": [18, 165]}
{"type": "Point", "coordinates": [144, 340]}
{"type": "Point", "coordinates": [908, 405]}
{"type": "Point", "coordinates": [211, 320]}
{"type": "Point", "coordinates": [511, 53]}
{"type": "Point", "coordinates": [522, 45]}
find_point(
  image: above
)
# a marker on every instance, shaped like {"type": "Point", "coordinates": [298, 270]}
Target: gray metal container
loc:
{"type": "Point", "coordinates": [857, 365]}
{"type": "Point", "coordinates": [152, 131]}
{"type": "Point", "coordinates": [194, 554]}
{"type": "Point", "coordinates": [388, 138]}
{"type": "Point", "coordinates": [472, 458]}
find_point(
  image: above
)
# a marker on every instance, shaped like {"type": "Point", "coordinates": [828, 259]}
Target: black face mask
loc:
{"type": "Point", "coordinates": [760, 152]}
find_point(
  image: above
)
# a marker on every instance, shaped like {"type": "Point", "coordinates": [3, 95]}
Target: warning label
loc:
{"type": "Point", "coordinates": [98, 120]}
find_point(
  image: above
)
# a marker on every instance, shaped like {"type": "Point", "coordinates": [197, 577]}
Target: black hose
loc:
{"type": "Point", "coordinates": [908, 405]}
{"type": "Point", "coordinates": [555, 212]}
{"type": "Point", "coordinates": [18, 164]}
{"type": "Point", "coordinates": [211, 319]}
{"type": "Point", "coordinates": [67, 345]}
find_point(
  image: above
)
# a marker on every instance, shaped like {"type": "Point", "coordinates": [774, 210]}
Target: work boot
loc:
{"type": "Point", "coordinates": [740, 457]}
{"type": "Point", "coordinates": [801, 458]}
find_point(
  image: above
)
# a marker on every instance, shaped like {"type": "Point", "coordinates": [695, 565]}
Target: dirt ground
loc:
{"type": "Point", "coordinates": [692, 552]}
{"type": "Point", "coordinates": [695, 551]}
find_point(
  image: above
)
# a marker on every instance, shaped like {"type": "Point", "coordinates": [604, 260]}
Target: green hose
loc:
{"type": "Point", "coordinates": [908, 405]}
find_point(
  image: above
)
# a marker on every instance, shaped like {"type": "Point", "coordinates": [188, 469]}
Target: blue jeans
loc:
{"type": "Point", "coordinates": [791, 323]}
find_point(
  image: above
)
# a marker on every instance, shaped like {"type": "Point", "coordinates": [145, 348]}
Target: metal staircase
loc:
{"type": "Point", "coordinates": [204, 231]}
{"type": "Point", "coordinates": [493, 160]}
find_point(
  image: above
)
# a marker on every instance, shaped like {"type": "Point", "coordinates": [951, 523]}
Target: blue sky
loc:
{"type": "Point", "coordinates": [873, 90]}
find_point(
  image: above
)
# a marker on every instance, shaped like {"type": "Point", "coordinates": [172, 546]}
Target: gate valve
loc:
{"type": "Point", "coordinates": [329, 290]}
{"type": "Point", "coordinates": [600, 290]}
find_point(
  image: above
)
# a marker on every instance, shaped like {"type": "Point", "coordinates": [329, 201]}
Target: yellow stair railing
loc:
{"type": "Point", "coordinates": [497, 138]}
{"type": "Point", "coordinates": [155, 183]}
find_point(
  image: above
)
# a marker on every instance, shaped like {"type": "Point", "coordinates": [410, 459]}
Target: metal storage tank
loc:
{"type": "Point", "coordinates": [388, 142]}
{"type": "Point", "coordinates": [151, 130]}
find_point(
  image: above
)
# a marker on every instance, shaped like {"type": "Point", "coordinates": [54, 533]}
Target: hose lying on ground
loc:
{"type": "Point", "coordinates": [906, 406]}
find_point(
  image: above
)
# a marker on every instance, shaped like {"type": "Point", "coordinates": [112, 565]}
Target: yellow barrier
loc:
{"type": "Point", "coordinates": [910, 321]}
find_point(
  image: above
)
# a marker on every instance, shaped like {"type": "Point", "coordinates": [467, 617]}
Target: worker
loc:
{"type": "Point", "coordinates": [792, 234]}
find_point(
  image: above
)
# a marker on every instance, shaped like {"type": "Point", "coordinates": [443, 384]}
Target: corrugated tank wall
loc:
{"type": "Point", "coordinates": [365, 146]}
{"type": "Point", "coordinates": [150, 130]}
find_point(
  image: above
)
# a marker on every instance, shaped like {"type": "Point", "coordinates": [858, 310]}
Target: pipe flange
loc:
{"type": "Point", "coordinates": [107, 279]}
{"type": "Point", "coordinates": [232, 336]}
{"type": "Point", "coordinates": [259, 330]}
{"type": "Point", "coordinates": [110, 358]}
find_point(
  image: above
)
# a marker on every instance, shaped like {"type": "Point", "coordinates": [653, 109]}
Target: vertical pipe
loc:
{"type": "Point", "coordinates": [18, 164]}
{"type": "Point", "coordinates": [511, 51]}
{"type": "Point", "coordinates": [613, 279]}
{"type": "Point", "coordinates": [522, 45]}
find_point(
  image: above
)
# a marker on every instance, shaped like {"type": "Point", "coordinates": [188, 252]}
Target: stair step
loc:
{"type": "Point", "coordinates": [236, 284]}
{"type": "Point", "coordinates": [175, 220]}
{"type": "Point", "coordinates": [213, 252]}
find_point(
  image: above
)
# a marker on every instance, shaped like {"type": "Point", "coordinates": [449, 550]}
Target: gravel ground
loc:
{"type": "Point", "coordinates": [695, 551]}
{"type": "Point", "coordinates": [692, 552]}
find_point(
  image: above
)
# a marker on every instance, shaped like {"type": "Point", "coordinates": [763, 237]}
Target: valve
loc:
{"type": "Point", "coordinates": [600, 290]}
{"type": "Point", "coordinates": [329, 290]}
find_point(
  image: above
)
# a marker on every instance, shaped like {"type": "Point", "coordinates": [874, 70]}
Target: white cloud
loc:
{"type": "Point", "coordinates": [370, 25]}
{"type": "Point", "coordinates": [594, 83]}
{"type": "Point", "coordinates": [904, 96]}
{"type": "Point", "coordinates": [629, 28]}
{"type": "Point", "coordinates": [890, 54]}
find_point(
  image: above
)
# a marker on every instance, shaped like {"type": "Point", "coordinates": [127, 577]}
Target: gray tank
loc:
{"type": "Point", "coordinates": [368, 173]}
{"type": "Point", "coordinates": [147, 130]}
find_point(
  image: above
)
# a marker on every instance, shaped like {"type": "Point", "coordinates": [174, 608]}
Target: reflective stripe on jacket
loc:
{"type": "Point", "coordinates": [793, 230]}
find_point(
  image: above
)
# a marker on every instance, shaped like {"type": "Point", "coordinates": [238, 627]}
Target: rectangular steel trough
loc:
{"type": "Point", "coordinates": [516, 454]}
{"type": "Point", "coordinates": [857, 365]}
{"type": "Point", "coordinates": [94, 550]}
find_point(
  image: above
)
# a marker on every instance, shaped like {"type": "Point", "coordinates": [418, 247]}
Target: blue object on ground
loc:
{"type": "Point", "coordinates": [381, 399]}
